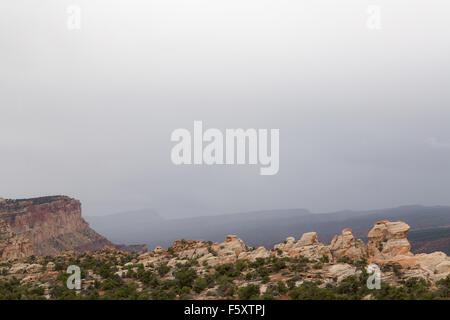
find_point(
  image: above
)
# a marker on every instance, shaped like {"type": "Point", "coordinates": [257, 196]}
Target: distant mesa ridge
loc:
{"type": "Point", "coordinates": [51, 224]}
{"type": "Point", "coordinates": [430, 226]}
{"type": "Point", "coordinates": [48, 226]}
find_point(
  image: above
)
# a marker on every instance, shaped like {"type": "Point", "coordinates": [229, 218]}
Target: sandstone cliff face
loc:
{"type": "Point", "coordinates": [11, 246]}
{"type": "Point", "coordinates": [51, 224]}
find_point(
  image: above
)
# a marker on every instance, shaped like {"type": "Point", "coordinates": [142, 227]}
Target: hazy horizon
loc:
{"type": "Point", "coordinates": [363, 114]}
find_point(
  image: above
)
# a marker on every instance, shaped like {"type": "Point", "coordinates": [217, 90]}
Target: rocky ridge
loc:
{"type": "Point", "coordinates": [193, 269]}
{"type": "Point", "coordinates": [387, 245]}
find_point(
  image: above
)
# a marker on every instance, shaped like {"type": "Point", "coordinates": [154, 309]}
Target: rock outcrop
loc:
{"type": "Point", "coordinates": [11, 246]}
{"type": "Point", "coordinates": [220, 268]}
{"type": "Point", "coordinates": [388, 244]}
{"type": "Point", "coordinates": [308, 246]}
{"type": "Point", "coordinates": [51, 225]}
{"type": "Point", "coordinates": [308, 239]}
{"type": "Point", "coordinates": [344, 245]}
{"type": "Point", "coordinates": [388, 239]}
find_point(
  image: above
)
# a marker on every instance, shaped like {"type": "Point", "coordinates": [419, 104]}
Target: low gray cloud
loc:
{"type": "Point", "coordinates": [89, 112]}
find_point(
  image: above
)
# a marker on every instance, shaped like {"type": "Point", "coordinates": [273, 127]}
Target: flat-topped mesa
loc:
{"type": "Point", "coordinates": [388, 239]}
{"type": "Point", "coordinates": [52, 224]}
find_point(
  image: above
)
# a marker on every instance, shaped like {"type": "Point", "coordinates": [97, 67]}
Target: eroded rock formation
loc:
{"type": "Point", "coordinates": [344, 245]}
{"type": "Point", "coordinates": [294, 263]}
{"type": "Point", "coordinates": [50, 224]}
{"type": "Point", "coordinates": [388, 239]}
{"type": "Point", "coordinates": [308, 246]}
{"type": "Point", "coordinates": [387, 245]}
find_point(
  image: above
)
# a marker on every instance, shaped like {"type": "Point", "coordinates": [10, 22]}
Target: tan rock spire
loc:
{"type": "Point", "coordinates": [388, 239]}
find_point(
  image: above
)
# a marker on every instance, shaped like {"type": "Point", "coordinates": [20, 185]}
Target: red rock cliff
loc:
{"type": "Point", "coordinates": [11, 246]}
{"type": "Point", "coordinates": [52, 224]}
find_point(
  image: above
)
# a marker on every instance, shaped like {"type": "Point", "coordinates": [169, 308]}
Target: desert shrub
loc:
{"type": "Point", "coordinates": [249, 276]}
{"type": "Point", "coordinates": [263, 272]}
{"type": "Point", "coordinates": [291, 282]}
{"type": "Point", "coordinates": [163, 269]}
{"type": "Point", "coordinates": [200, 284]}
{"type": "Point", "coordinates": [361, 264]}
{"type": "Point", "coordinates": [185, 277]}
{"type": "Point", "coordinates": [396, 268]}
{"type": "Point", "coordinates": [419, 289]}
{"type": "Point", "coordinates": [109, 284]}
{"type": "Point", "coordinates": [241, 265]}
{"type": "Point", "coordinates": [352, 287]}
{"type": "Point", "coordinates": [224, 283]}
{"type": "Point", "coordinates": [227, 269]}
{"type": "Point", "coordinates": [318, 265]}
{"type": "Point", "coordinates": [12, 290]}
{"type": "Point", "coordinates": [345, 259]}
{"type": "Point", "coordinates": [310, 291]}
{"type": "Point", "coordinates": [388, 292]}
{"type": "Point", "coordinates": [159, 294]}
{"type": "Point", "coordinates": [267, 296]}
{"type": "Point", "coordinates": [278, 265]}
{"type": "Point", "coordinates": [249, 292]}
{"type": "Point", "coordinates": [282, 289]}
{"type": "Point", "coordinates": [257, 263]}
{"type": "Point", "coordinates": [63, 293]}
{"type": "Point", "coordinates": [444, 287]}
{"type": "Point", "coordinates": [106, 271]}
{"type": "Point", "coordinates": [127, 291]}
{"type": "Point", "coordinates": [148, 278]}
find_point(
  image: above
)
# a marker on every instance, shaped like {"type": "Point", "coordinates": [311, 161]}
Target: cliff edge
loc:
{"type": "Point", "coordinates": [51, 225]}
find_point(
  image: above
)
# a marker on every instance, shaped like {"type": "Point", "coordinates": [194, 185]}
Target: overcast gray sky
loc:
{"type": "Point", "coordinates": [363, 114]}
